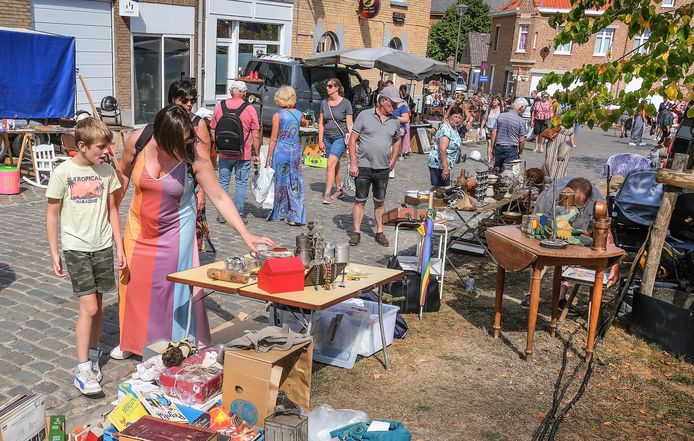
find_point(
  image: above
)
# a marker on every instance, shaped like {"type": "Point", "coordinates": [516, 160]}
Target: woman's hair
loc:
{"type": "Point", "coordinates": [174, 133]}
{"type": "Point", "coordinates": [498, 98]}
{"type": "Point", "coordinates": [180, 89]}
{"type": "Point", "coordinates": [583, 185]}
{"type": "Point", "coordinates": [338, 84]}
{"type": "Point", "coordinates": [285, 97]}
{"type": "Point", "coordinates": [454, 110]}
{"type": "Point", "coordinates": [535, 177]}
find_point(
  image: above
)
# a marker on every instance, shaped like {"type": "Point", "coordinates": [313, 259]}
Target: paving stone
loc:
{"type": "Point", "coordinates": [18, 390]}
{"type": "Point", "coordinates": [44, 354]}
{"type": "Point", "coordinates": [26, 378]}
{"type": "Point", "coordinates": [40, 367]}
{"type": "Point", "coordinates": [8, 326]}
{"type": "Point", "coordinates": [52, 344]}
{"type": "Point", "coordinates": [45, 387]}
{"type": "Point", "coordinates": [17, 358]}
{"type": "Point", "coordinates": [31, 335]}
{"type": "Point", "coordinates": [22, 346]}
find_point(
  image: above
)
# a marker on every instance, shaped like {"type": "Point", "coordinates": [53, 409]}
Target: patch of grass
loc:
{"type": "Point", "coordinates": [683, 378]}
{"type": "Point", "coordinates": [680, 411]}
{"type": "Point", "coordinates": [422, 408]}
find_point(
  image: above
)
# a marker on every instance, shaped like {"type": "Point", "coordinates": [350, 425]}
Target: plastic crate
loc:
{"type": "Point", "coordinates": [370, 341]}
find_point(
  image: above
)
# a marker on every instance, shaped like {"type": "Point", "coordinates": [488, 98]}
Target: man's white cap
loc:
{"type": "Point", "coordinates": [238, 85]}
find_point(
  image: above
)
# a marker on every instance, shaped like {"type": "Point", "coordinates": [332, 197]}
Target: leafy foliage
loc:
{"type": "Point", "coordinates": [442, 36]}
{"type": "Point", "coordinates": [665, 66]}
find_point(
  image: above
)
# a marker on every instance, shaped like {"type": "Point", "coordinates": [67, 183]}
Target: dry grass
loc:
{"type": "Point", "coordinates": [451, 381]}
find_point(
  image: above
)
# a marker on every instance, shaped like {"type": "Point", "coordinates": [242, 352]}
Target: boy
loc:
{"type": "Point", "coordinates": [80, 194]}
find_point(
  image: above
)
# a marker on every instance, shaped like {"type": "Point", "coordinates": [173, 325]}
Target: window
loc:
{"type": "Point", "coordinates": [259, 31]}
{"type": "Point", "coordinates": [603, 42]}
{"type": "Point", "coordinates": [640, 42]}
{"type": "Point", "coordinates": [509, 83]}
{"type": "Point", "coordinates": [496, 37]}
{"type": "Point", "coordinates": [667, 3]}
{"type": "Point", "coordinates": [395, 43]}
{"type": "Point", "coordinates": [563, 49]}
{"type": "Point", "coordinates": [522, 37]}
{"type": "Point", "coordinates": [327, 42]}
{"type": "Point", "coordinates": [475, 79]}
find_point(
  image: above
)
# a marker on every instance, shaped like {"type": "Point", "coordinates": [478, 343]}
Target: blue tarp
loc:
{"type": "Point", "coordinates": [37, 78]}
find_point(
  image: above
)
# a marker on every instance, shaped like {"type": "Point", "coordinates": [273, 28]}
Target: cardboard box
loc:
{"type": "Point", "coordinates": [188, 383]}
{"type": "Point", "coordinates": [312, 150]}
{"type": "Point", "coordinates": [153, 429]}
{"type": "Point", "coordinates": [252, 380]}
{"type": "Point", "coordinates": [438, 203]}
{"type": "Point", "coordinates": [282, 275]}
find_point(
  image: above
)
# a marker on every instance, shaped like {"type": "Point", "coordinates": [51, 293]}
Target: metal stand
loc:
{"type": "Point", "coordinates": [383, 331]}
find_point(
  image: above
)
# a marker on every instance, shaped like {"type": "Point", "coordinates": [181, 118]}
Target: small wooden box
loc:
{"type": "Point", "coordinates": [403, 214]}
{"type": "Point", "coordinates": [286, 427]}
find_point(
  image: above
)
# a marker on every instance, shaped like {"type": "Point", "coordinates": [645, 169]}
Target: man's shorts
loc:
{"type": "Point", "coordinates": [540, 126]}
{"type": "Point", "coordinates": [368, 176]}
{"type": "Point", "coordinates": [90, 272]}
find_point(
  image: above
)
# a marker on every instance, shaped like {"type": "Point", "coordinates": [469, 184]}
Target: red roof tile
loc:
{"type": "Point", "coordinates": [550, 4]}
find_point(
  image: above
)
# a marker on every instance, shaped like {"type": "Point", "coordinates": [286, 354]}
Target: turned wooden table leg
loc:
{"type": "Point", "coordinates": [500, 277]}
{"type": "Point", "coordinates": [596, 298]}
{"type": "Point", "coordinates": [532, 314]}
{"type": "Point", "coordinates": [556, 289]}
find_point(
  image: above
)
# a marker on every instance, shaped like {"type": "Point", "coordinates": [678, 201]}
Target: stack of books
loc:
{"type": "Point", "coordinates": [23, 418]}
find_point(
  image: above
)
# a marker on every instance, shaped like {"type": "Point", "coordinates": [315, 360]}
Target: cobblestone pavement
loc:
{"type": "Point", "coordinates": [37, 310]}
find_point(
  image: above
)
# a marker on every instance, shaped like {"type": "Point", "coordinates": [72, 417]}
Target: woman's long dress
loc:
{"type": "Point", "coordinates": [289, 180]}
{"type": "Point", "coordinates": [159, 240]}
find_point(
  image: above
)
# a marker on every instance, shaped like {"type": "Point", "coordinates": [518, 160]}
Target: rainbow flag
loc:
{"type": "Point", "coordinates": [427, 231]}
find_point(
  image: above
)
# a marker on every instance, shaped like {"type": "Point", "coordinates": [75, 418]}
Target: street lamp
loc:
{"type": "Point", "coordinates": [460, 8]}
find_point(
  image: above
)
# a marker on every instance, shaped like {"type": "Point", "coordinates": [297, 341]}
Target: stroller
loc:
{"type": "Point", "coordinates": [634, 209]}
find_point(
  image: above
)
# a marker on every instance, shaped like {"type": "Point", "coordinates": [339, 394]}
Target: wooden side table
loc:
{"type": "Point", "coordinates": [513, 251]}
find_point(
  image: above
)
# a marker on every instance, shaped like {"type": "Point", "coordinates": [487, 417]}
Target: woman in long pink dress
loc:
{"type": "Point", "coordinates": [165, 162]}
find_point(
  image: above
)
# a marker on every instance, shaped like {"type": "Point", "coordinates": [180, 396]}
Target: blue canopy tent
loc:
{"type": "Point", "coordinates": [37, 79]}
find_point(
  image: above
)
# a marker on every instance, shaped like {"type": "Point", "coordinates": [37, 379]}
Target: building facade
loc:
{"type": "Point", "coordinates": [521, 50]}
{"type": "Point", "coordinates": [335, 24]}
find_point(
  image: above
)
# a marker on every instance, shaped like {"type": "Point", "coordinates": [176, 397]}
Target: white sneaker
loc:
{"type": "Point", "coordinates": [85, 381]}
{"type": "Point", "coordinates": [94, 357]}
{"type": "Point", "coordinates": [632, 143]}
{"type": "Point", "coordinates": [117, 354]}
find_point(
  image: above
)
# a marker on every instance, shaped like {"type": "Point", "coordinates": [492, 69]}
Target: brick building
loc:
{"type": "Point", "coordinates": [521, 48]}
{"type": "Point", "coordinates": [321, 25]}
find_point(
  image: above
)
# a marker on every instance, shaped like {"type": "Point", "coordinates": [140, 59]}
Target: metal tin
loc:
{"type": "Point", "coordinates": [329, 251]}
{"type": "Point", "coordinates": [342, 253]}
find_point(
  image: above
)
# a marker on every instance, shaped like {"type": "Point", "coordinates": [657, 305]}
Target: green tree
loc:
{"type": "Point", "coordinates": [443, 34]}
{"type": "Point", "coordinates": [664, 62]}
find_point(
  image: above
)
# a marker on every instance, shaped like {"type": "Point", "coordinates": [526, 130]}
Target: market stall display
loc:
{"type": "Point", "coordinates": [514, 251]}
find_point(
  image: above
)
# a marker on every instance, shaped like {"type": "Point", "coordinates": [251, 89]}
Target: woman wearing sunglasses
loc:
{"type": "Point", "coordinates": [165, 161]}
{"type": "Point", "coordinates": [334, 126]}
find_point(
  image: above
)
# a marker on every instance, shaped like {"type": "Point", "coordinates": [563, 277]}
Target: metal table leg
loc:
{"type": "Point", "coordinates": [383, 331]}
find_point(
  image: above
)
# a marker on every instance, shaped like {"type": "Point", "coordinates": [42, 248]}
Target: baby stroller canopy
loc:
{"type": "Point", "coordinates": [639, 198]}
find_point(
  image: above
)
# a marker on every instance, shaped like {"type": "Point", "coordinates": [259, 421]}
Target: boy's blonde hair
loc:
{"type": "Point", "coordinates": [91, 131]}
{"type": "Point", "coordinates": [285, 97]}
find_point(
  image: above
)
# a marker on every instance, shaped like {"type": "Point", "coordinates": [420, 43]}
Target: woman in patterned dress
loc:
{"type": "Point", "coordinates": [159, 234]}
{"type": "Point", "coordinates": [445, 149]}
{"type": "Point", "coordinates": [284, 155]}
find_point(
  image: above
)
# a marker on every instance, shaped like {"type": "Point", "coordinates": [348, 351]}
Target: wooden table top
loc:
{"type": "Point", "coordinates": [317, 299]}
{"type": "Point", "coordinates": [500, 203]}
{"type": "Point", "coordinates": [515, 251]}
{"type": "Point", "coordinates": [309, 298]}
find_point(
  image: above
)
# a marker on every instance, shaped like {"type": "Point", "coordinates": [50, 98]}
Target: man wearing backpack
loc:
{"type": "Point", "coordinates": [236, 133]}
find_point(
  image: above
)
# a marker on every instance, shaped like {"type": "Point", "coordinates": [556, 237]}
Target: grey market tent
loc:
{"type": "Point", "coordinates": [411, 67]}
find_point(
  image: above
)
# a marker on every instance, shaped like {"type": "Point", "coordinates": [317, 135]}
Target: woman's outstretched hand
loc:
{"type": "Point", "coordinates": [252, 240]}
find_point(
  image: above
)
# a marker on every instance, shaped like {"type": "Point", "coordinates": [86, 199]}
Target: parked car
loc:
{"type": "Point", "coordinates": [309, 82]}
{"type": "Point", "coordinates": [460, 85]}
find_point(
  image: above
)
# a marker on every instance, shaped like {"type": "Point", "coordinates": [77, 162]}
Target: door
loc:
{"type": "Point", "coordinates": [158, 61]}
{"type": "Point", "coordinates": [89, 21]}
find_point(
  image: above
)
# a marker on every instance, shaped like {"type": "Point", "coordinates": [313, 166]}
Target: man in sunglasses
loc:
{"type": "Point", "coordinates": [239, 164]}
{"type": "Point", "coordinates": [374, 146]}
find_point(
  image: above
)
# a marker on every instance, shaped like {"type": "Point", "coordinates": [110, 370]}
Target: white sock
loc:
{"type": "Point", "coordinates": [84, 366]}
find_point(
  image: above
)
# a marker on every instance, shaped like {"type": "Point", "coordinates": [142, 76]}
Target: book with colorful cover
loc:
{"type": "Point", "coordinates": [128, 410]}
{"type": "Point", "coordinates": [160, 406]}
{"type": "Point", "coordinates": [244, 432]}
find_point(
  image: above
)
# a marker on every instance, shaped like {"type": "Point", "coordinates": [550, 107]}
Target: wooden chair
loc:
{"type": "Point", "coordinates": [44, 160]}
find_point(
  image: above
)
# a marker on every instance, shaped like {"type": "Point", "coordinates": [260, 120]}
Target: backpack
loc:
{"type": "Point", "coordinates": [229, 137]}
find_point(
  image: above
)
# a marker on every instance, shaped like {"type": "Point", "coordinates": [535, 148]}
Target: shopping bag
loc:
{"type": "Point", "coordinates": [262, 182]}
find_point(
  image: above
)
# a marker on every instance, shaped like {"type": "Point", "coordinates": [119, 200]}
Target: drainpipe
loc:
{"type": "Point", "coordinates": [201, 92]}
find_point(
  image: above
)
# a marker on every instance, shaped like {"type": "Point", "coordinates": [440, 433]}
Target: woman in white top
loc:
{"type": "Point", "coordinates": [334, 122]}
{"type": "Point", "coordinates": [489, 119]}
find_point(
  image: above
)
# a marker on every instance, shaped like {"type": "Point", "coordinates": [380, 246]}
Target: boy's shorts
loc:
{"type": "Point", "coordinates": [90, 272]}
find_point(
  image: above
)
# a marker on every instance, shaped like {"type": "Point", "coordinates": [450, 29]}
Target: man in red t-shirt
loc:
{"type": "Point", "coordinates": [240, 164]}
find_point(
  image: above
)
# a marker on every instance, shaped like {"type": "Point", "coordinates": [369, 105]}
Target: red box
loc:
{"type": "Point", "coordinates": [206, 384]}
{"type": "Point", "coordinates": [282, 275]}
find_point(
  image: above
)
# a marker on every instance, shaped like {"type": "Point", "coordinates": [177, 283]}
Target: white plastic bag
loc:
{"type": "Point", "coordinates": [324, 419]}
{"type": "Point", "coordinates": [264, 184]}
